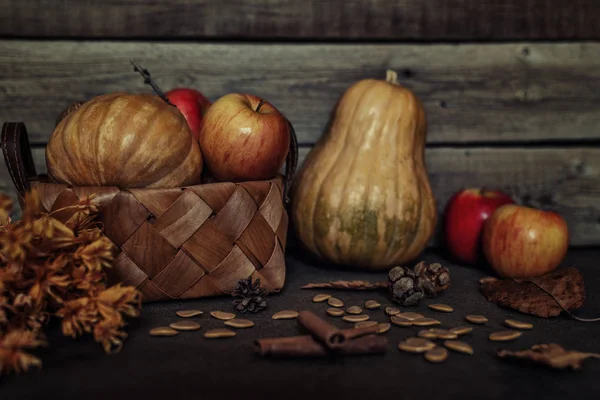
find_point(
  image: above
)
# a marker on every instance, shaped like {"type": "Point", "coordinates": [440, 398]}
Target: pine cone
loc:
{"type": "Point", "coordinates": [432, 278]}
{"type": "Point", "coordinates": [403, 285]}
{"type": "Point", "coordinates": [251, 297]}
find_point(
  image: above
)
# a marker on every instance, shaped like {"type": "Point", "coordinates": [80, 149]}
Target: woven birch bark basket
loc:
{"type": "Point", "coordinates": [176, 243]}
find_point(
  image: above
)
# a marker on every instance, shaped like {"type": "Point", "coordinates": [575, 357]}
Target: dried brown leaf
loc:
{"type": "Point", "coordinates": [565, 284]}
{"type": "Point", "coordinates": [551, 355]}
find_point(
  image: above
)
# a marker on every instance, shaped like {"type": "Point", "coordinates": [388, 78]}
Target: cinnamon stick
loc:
{"type": "Point", "coordinates": [333, 337]}
{"type": "Point", "coordinates": [329, 334]}
{"type": "Point", "coordinates": [354, 333]}
{"type": "Point", "coordinates": [307, 346]}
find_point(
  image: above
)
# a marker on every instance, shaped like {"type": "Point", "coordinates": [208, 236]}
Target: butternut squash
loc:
{"type": "Point", "coordinates": [362, 198]}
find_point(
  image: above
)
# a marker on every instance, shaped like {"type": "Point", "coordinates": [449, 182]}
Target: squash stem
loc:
{"type": "Point", "coordinates": [391, 77]}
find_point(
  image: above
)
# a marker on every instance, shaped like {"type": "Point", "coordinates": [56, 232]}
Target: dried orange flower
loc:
{"type": "Point", "coordinates": [12, 356]}
{"type": "Point", "coordinates": [53, 265]}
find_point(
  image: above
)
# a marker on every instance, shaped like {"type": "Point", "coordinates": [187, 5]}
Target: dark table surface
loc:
{"type": "Point", "coordinates": [188, 366]}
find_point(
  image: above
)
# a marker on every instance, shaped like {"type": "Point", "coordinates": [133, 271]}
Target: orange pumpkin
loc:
{"type": "Point", "coordinates": [124, 140]}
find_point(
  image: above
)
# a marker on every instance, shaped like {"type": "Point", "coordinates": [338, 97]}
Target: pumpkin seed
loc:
{"type": "Point", "coordinates": [384, 327]}
{"type": "Point", "coordinates": [512, 323]}
{"type": "Point", "coordinates": [285, 314]}
{"type": "Point", "coordinates": [319, 298]}
{"type": "Point", "coordinates": [504, 336]}
{"type": "Point", "coordinates": [436, 355]}
{"type": "Point", "coordinates": [476, 319]}
{"type": "Point", "coordinates": [441, 308]}
{"type": "Point", "coordinates": [444, 334]}
{"type": "Point", "coordinates": [239, 323]}
{"type": "Point", "coordinates": [425, 321]}
{"type": "Point", "coordinates": [427, 334]}
{"type": "Point", "coordinates": [372, 305]}
{"type": "Point", "coordinates": [391, 311]}
{"type": "Point", "coordinates": [411, 316]}
{"type": "Point", "coordinates": [185, 325]}
{"type": "Point", "coordinates": [364, 324]}
{"type": "Point", "coordinates": [459, 346]}
{"type": "Point", "coordinates": [163, 331]}
{"type": "Point", "coordinates": [416, 345]}
{"type": "Point", "coordinates": [461, 330]}
{"type": "Point", "coordinates": [188, 313]}
{"type": "Point", "coordinates": [224, 316]}
{"type": "Point", "coordinates": [335, 312]}
{"type": "Point", "coordinates": [354, 310]}
{"type": "Point", "coordinates": [400, 321]}
{"type": "Point", "coordinates": [335, 302]}
{"type": "Point", "coordinates": [219, 333]}
{"type": "Point", "coordinates": [355, 318]}
{"type": "Point", "coordinates": [488, 279]}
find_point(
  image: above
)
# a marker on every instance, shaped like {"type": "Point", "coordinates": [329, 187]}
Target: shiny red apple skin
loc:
{"type": "Point", "coordinates": [465, 214]}
{"type": "Point", "coordinates": [192, 104]}
{"type": "Point", "coordinates": [241, 144]}
{"type": "Point", "coordinates": [524, 242]}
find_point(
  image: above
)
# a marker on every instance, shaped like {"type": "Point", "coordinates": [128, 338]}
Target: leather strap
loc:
{"type": "Point", "coordinates": [17, 156]}
{"type": "Point", "coordinates": [290, 163]}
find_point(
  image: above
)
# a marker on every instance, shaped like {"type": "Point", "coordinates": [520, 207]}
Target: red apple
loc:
{"type": "Point", "coordinates": [244, 138]}
{"type": "Point", "coordinates": [523, 242]}
{"type": "Point", "coordinates": [464, 216]}
{"type": "Point", "coordinates": [192, 104]}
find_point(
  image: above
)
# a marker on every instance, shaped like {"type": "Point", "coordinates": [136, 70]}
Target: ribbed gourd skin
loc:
{"type": "Point", "coordinates": [124, 140]}
{"type": "Point", "coordinates": [362, 198]}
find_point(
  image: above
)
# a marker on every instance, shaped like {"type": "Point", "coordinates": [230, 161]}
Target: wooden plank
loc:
{"type": "Point", "coordinates": [566, 180]}
{"type": "Point", "coordinates": [472, 93]}
{"type": "Point", "coordinates": [307, 19]}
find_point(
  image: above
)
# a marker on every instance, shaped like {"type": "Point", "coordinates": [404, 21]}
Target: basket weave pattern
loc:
{"type": "Point", "coordinates": [190, 242]}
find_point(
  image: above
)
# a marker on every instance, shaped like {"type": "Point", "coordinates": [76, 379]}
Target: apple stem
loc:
{"type": "Point", "coordinates": [148, 81]}
{"type": "Point", "coordinates": [260, 104]}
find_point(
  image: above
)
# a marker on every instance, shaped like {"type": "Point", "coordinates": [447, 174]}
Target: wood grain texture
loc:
{"type": "Point", "coordinates": [307, 19]}
{"type": "Point", "coordinates": [566, 180]}
{"type": "Point", "coordinates": [472, 93]}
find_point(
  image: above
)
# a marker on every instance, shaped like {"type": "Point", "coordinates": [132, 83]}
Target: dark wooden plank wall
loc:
{"type": "Point", "coordinates": [512, 102]}
{"type": "Point", "coordinates": [473, 93]}
{"type": "Point", "coordinates": [303, 19]}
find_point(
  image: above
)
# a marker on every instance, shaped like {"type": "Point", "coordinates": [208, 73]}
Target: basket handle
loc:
{"type": "Point", "coordinates": [291, 163]}
{"type": "Point", "coordinates": [17, 156]}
